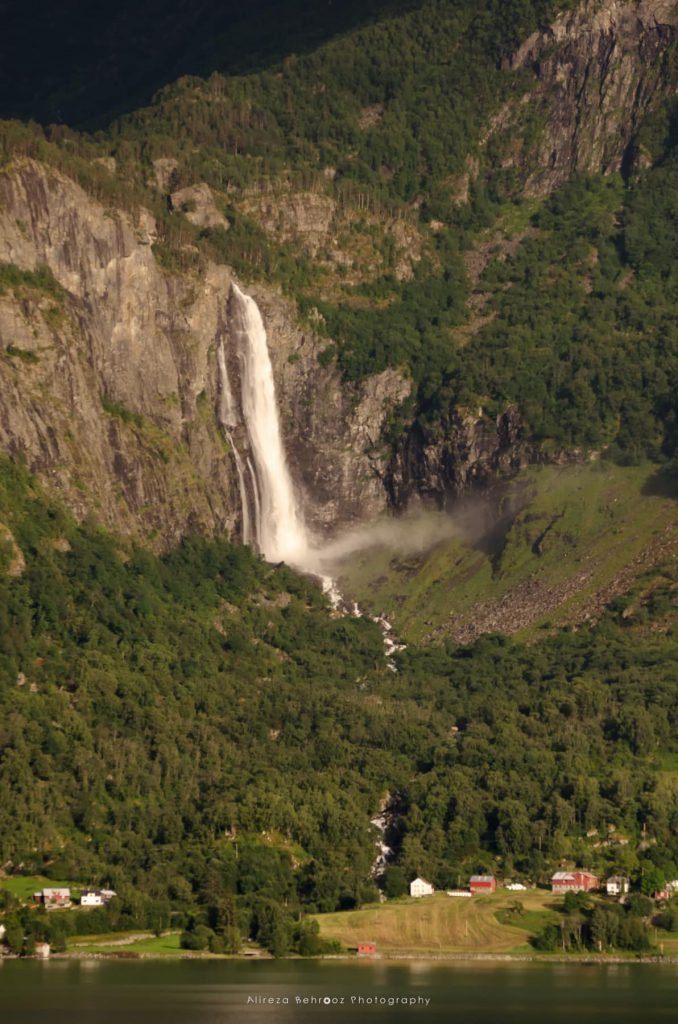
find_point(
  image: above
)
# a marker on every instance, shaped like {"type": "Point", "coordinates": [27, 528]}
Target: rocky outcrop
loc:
{"type": "Point", "coordinates": [469, 450]}
{"type": "Point", "coordinates": [336, 232]}
{"type": "Point", "coordinates": [598, 69]}
{"type": "Point", "coordinates": [108, 378]}
{"type": "Point", "coordinates": [12, 556]}
{"type": "Point", "coordinates": [198, 205]}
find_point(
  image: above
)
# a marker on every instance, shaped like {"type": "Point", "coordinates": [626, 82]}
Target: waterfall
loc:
{"type": "Point", "coordinates": [276, 525]}
{"type": "Point", "coordinates": [279, 528]}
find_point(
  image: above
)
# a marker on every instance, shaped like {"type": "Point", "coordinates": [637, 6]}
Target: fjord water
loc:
{"type": "Point", "coordinates": [227, 992]}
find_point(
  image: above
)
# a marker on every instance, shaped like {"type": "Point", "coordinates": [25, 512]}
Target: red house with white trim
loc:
{"type": "Point", "coordinates": [367, 948]}
{"type": "Point", "coordinates": [482, 884]}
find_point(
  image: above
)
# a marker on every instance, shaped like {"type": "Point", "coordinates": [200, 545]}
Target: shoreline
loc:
{"type": "Point", "coordinates": [584, 959]}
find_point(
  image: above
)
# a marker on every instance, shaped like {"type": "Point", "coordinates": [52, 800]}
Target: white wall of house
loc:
{"type": "Point", "coordinates": [420, 887]}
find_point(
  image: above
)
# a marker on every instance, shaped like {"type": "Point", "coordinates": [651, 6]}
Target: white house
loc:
{"type": "Point", "coordinates": [617, 885]}
{"type": "Point", "coordinates": [91, 898]}
{"type": "Point", "coordinates": [420, 887]}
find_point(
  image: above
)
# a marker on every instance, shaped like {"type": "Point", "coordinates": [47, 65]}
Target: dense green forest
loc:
{"type": "Point", "coordinates": [200, 733]}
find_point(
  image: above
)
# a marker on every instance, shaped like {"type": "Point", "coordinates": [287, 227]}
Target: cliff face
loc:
{"type": "Point", "coordinates": [598, 70]}
{"type": "Point", "coordinates": [108, 373]}
{"type": "Point", "coordinates": [471, 451]}
{"type": "Point", "coordinates": [108, 381]}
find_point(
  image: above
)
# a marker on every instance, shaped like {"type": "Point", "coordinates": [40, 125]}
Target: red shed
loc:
{"type": "Point", "coordinates": [482, 883]}
{"type": "Point", "coordinates": [366, 948]}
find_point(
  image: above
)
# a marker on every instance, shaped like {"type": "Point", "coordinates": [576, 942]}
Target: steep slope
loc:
{"type": "Point", "coordinates": [598, 69]}
{"type": "Point", "coordinates": [201, 731]}
{"type": "Point", "coordinates": [336, 178]}
{"type": "Point", "coordinates": [550, 549]}
{"type": "Point", "coordinates": [109, 374]}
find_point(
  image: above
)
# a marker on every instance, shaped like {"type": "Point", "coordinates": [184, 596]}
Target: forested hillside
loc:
{"type": "Point", "coordinates": [466, 209]}
{"type": "Point", "coordinates": [199, 727]}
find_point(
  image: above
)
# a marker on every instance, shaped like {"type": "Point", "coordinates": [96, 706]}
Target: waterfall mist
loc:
{"type": "Point", "coordinates": [271, 516]}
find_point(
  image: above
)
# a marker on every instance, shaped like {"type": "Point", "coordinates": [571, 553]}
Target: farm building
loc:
{"type": "Point", "coordinates": [91, 898]}
{"type": "Point", "coordinates": [367, 948]}
{"type": "Point", "coordinates": [52, 898]}
{"type": "Point", "coordinates": [574, 881]}
{"type": "Point", "coordinates": [482, 883]}
{"type": "Point", "coordinates": [420, 887]}
{"type": "Point", "coordinates": [617, 885]}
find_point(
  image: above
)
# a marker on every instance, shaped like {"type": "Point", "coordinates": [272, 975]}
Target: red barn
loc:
{"type": "Point", "coordinates": [482, 883]}
{"type": "Point", "coordinates": [366, 948]}
{"type": "Point", "coordinates": [574, 881]}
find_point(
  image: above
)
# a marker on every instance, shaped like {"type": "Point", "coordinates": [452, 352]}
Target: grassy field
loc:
{"type": "Point", "coordinates": [164, 945]}
{"type": "Point", "coordinates": [667, 942]}
{"type": "Point", "coordinates": [560, 543]}
{"type": "Point", "coordinates": [23, 886]}
{"type": "Point", "coordinates": [442, 924]}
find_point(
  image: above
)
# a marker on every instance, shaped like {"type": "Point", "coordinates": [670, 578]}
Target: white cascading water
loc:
{"type": "Point", "coordinates": [280, 531]}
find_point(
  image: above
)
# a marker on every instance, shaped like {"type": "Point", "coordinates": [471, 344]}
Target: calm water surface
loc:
{"type": "Point", "coordinates": [226, 992]}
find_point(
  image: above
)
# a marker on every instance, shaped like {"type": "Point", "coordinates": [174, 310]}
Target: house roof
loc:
{"type": "Point", "coordinates": [56, 892]}
{"type": "Point", "coordinates": [482, 878]}
{"type": "Point", "coordinates": [569, 876]}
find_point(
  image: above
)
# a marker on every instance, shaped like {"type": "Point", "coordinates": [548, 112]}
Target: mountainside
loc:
{"type": "Point", "coordinates": [389, 295]}
{"type": "Point", "coordinates": [109, 374]}
{"type": "Point", "coordinates": [408, 349]}
{"type": "Point", "coordinates": [197, 731]}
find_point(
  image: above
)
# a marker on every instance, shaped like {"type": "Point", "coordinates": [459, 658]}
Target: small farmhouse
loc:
{"type": "Point", "coordinates": [420, 887]}
{"type": "Point", "coordinates": [574, 881]}
{"type": "Point", "coordinates": [617, 885]}
{"type": "Point", "coordinates": [96, 897]}
{"type": "Point", "coordinates": [482, 884]}
{"type": "Point", "coordinates": [52, 898]}
{"type": "Point", "coordinates": [91, 898]}
{"type": "Point", "coordinates": [367, 948]}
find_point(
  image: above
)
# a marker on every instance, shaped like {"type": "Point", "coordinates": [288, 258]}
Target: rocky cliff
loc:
{"type": "Point", "coordinates": [469, 451]}
{"type": "Point", "coordinates": [595, 71]}
{"type": "Point", "coordinates": [108, 375]}
{"type": "Point", "coordinates": [108, 381]}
